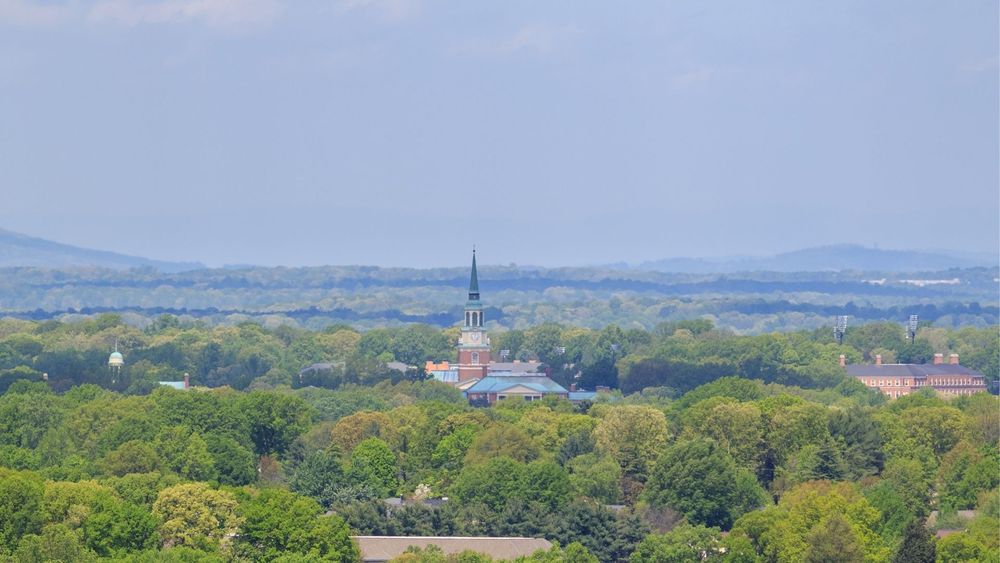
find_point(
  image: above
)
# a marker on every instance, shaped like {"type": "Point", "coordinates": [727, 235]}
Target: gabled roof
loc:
{"type": "Point", "coordinates": [909, 370]}
{"type": "Point", "coordinates": [385, 548]}
{"type": "Point", "coordinates": [501, 383]}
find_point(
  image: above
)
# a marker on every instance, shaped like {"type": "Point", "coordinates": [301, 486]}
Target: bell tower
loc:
{"type": "Point", "coordinates": [474, 344]}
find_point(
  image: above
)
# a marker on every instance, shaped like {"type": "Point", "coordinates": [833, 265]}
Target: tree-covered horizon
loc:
{"type": "Point", "coordinates": [371, 297]}
{"type": "Point", "coordinates": [705, 431]}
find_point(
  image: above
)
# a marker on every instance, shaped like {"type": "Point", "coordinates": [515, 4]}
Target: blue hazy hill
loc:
{"type": "Point", "coordinates": [23, 250]}
{"type": "Point", "coordinates": [826, 258]}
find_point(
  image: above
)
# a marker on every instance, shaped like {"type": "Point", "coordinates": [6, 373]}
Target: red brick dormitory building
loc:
{"type": "Point", "coordinates": [897, 380]}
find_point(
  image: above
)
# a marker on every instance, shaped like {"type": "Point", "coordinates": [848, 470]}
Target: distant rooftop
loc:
{"type": "Point", "coordinates": [500, 383]}
{"type": "Point", "coordinates": [385, 548]}
{"type": "Point", "coordinates": [515, 367]}
{"type": "Point", "coordinates": [909, 370]}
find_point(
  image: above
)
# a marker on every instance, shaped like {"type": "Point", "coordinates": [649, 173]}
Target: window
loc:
{"type": "Point", "coordinates": [475, 357]}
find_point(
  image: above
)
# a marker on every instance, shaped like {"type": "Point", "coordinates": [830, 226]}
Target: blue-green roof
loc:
{"type": "Point", "coordinates": [500, 383]}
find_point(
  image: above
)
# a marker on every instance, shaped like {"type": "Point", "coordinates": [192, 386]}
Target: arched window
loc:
{"type": "Point", "coordinates": [475, 357]}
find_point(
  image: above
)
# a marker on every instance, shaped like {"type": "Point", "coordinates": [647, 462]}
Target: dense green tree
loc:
{"type": "Point", "coordinates": [55, 543]}
{"type": "Point", "coordinates": [374, 464]}
{"type": "Point", "coordinates": [276, 522]}
{"type": "Point", "coordinates": [502, 440]}
{"type": "Point", "coordinates": [194, 515]}
{"type": "Point", "coordinates": [960, 547]}
{"type": "Point", "coordinates": [963, 474]}
{"type": "Point", "coordinates": [492, 483]}
{"type": "Point", "coordinates": [917, 545]}
{"type": "Point", "coordinates": [701, 480]}
{"type": "Point", "coordinates": [318, 476]}
{"type": "Point", "coordinates": [596, 477]}
{"type": "Point", "coordinates": [119, 527]}
{"type": "Point", "coordinates": [860, 442]}
{"type": "Point", "coordinates": [133, 456]}
{"type": "Point", "coordinates": [234, 464]}
{"type": "Point", "coordinates": [832, 539]}
{"type": "Point", "coordinates": [185, 453]}
{"type": "Point", "coordinates": [25, 417]}
{"type": "Point", "coordinates": [21, 495]}
{"type": "Point", "coordinates": [275, 420]}
{"type": "Point", "coordinates": [633, 435]}
{"type": "Point", "coordinates": [683, 544]}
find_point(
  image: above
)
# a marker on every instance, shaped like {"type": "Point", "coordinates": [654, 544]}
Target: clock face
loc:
{"type": "Point", "coordinates": [475, 336]}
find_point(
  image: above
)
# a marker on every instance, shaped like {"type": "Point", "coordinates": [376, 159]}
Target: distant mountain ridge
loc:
{"type": "Point", "coordinates": [26, 251]}
{"type": "Point", "coordinates": [824, 258]}
{"type": "Point", "coordinates": [23, 250]}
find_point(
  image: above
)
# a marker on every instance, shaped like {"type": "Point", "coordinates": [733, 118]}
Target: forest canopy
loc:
{"type": "Point", "coordinates": [704, 432]}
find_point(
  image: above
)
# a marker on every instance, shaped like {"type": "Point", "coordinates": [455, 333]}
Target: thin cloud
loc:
{"type": "Point", "coordinates": [540, 38]}
{"type": "Point", "coordinates": [980, 65]}
{"type": "Point", "coordinates": [693, 77]}
{"type": "Point", "coordinates": [31, 14]}
{"type": "Point", "coordinates": [216, 13]}
{"type": "Point", "coordinates": [531, 39]}
{"type": "Point", "coordinates": [388, 10]}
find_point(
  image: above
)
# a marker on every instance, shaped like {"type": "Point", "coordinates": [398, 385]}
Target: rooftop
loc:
{"type": "Point", "coordinates": [500, 383]}
{"type": "Point", "coordinates": [909, 370]}
{"type": "Point", "coordinates": [385, 548]}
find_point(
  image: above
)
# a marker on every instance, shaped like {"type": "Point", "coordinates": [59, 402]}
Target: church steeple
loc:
{"type": "Point", "coordinates": [474, 281]}
{"type": "Point", "coordinates": [474, 344]}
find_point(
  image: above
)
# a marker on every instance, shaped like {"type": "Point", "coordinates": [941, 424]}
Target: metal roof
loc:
{"type": "Point", "coordinates": [385, 548]}
{"type": "Point", "coordinates": [909, 370]}
{"type": "Point", "coordinates": [500, 383]}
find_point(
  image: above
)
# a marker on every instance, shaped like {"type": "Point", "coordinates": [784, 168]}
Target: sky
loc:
{"type": "Point", "coordinates": [403, 132]}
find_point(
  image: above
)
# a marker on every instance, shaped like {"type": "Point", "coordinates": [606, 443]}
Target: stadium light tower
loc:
{"type": "Point", "coordinates": [840, 328]}
{"type": "Point", "coordinates": [911, 328]}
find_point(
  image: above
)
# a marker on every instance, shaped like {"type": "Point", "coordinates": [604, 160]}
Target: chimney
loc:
{"type": "Point", "coordinates": [938, 359]}
{"type": "Point", "coordinates": [843, 360]}
{"type": "Point", "coordinates": [572, 387]}
{"type": "Point", "coordinates": [187, 381]}
{"type": "Point", "coordinates": [953, 359]}
{"type": "Point", "coordinates": [878, 359]}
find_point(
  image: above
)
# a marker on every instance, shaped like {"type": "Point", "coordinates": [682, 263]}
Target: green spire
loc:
{"type": "Point", "coordinates": [474, 282]}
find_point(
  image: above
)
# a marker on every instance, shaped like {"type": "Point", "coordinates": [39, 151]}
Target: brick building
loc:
{"type": "Point", "coordinates": [897, 380]}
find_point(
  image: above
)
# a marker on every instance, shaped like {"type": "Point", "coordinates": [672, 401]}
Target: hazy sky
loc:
{"type": "Point", "coordinates": [402, 132]}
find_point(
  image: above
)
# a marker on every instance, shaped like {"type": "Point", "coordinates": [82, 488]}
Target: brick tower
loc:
{"type": "Point", "coordinates": [474, 344]}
